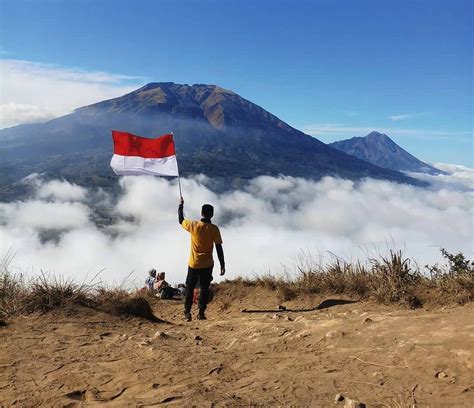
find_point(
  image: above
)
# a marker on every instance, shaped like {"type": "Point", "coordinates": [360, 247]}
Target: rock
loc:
{"type": "Point", "coordinates": [281, 307]}
{"type": "Point", "coordinates": [338, 397]}
{"type": "Point", "coordinates": [144, 343]}
{"type": "Point", "coordinates": [367, 320]}
{"type": "Point", "coordinates": [441, 374]}
{"type": "Point", "coordinates": [276, 316]}
{"type": "Point", "coordinates": [331, 334]}
{"type": "Point", "coordinates": [303, 334]}
{"type": "Point", "coordinates": [334, 333]}
{"type": "Point", "coordinates": [350, 403]}
{"type": "Point", "coordinates": [161, 335]}
{"type": "Point", "coordinates": [197, 338]}
{"type": "Point", "coordinates": [288, 318]}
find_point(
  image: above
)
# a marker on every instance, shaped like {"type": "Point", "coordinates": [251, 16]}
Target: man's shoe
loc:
{"type": "Point", "coordinates": [187, 316]}
{"type": "Point", "coordinates": [201, 316]}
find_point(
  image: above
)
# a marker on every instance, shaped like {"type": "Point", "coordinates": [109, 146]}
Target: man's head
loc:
{"type": "Point", "coordinates": [207, 211]}
{"type": "Point", "coordinates": [152, 273]}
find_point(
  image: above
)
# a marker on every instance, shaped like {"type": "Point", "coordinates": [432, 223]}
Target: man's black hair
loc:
{"type": "Point", "coordinates": [207, 211]}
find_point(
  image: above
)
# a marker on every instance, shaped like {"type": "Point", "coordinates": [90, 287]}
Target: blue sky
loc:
{"type": "Point", "coordinates": [333, 68]}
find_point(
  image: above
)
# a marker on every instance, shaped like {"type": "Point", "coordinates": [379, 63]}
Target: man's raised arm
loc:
{"type": "Point", "coordinates": [181, 210]}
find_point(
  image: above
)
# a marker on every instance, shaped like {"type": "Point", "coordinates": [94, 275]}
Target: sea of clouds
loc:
{"type": "Point", "coordinates": [68, 230]}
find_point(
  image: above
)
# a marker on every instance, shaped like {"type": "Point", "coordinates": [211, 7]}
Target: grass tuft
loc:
{"type": "Point", "coordinates": [47, 292]}
{"type": "Point", "coordinates": [387, 279]}
{"type": "Point", "coordinates": [122, 303]}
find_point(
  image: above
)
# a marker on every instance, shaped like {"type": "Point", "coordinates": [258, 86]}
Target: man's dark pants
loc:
{"type": "Point", "coordinates": [204, 277]}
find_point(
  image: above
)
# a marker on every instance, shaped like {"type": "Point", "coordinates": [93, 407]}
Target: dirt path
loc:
{"type": "Point", "coordinates": [382, 356]}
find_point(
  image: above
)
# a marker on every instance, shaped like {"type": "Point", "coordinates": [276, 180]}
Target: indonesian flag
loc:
{"type": "Point", "coordinates": [135, 155]}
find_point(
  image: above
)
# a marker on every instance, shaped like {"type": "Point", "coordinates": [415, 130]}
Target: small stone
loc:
{"type": "Point", "coordinates": [350, 403]}
{"type": "Point", "coordinates": [441, 374]}
{"type": "Point", "coordinates": [144, 343]}
{"type": "Point", "coordinates": [303, 334]}
{"type": "Point", "coordinates": [197, 338]}
{"type": "Point", "coordinates": [276, 316]}
{"type": "Point", "coordinates": [367, 320]}
{"type": "Point", "coordinates": [334, 333]}
{"type": "Point", "coordinates": [161, 335]}
{"type": "Point", "coordinates": [338, 397]}
{"type": "Point", "coordinates": [288, 318]}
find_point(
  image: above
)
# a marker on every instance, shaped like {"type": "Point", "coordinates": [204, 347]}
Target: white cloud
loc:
{"type": "Point", "coordinates": [405, 116]}
{"type": "Point", "coordinates": [264, 225]}
{"type": "Point", "coordinates": [15, 113]}
{"type": "Point", "coordinates": [34, 215]}
{"type": "Point", "coordinates": [32, 92]}
{"type": "Point", "coordinates": [55, 190]}
{"type": "Point", "coordinates": [458, 178]}
{"type": "Point", "coordinates": [332, 129]}
{"type": "Point", "coordinates": [62, 191]}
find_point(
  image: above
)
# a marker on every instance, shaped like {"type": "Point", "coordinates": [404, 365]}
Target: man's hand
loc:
{"type": "Point", "coordinates": [181, 210]}
{"type": "Point", "coordinates": [222, 270]}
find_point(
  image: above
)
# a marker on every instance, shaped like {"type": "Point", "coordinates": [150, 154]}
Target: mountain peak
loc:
{"type": "Point", "coordinates": [374, 135]}
{"type": "Point", "coordinates": [377, 148]}
{"type": "Point", "coordinates": [220, 107]}
{"type": "Point", "coordinates": [154, 85]}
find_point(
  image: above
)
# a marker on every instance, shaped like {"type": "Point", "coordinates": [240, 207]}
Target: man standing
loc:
{"type": "Point", "coordinates": [204, 235]}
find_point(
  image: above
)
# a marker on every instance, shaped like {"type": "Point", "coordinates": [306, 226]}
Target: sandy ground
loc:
{"type": "Point", "coordinates": [382, 356]}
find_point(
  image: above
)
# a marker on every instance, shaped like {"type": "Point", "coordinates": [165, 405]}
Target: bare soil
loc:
{"type": "Point", "coordinates": [383, 356]}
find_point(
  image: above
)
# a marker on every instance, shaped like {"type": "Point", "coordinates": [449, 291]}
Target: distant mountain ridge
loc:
{"type": "Point", "coordinates": [217, 133]}
{"type": "Point", "coordinates": [377, 148]}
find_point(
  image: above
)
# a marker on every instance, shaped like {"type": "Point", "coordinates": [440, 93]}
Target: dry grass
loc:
{"type": "Point", "coordinates": [19, 296]}
{"type": "Point", "coordinates": [121, 302]}
{"type": "Point", "coordinates": [386, 279]}
{"type": "Point", "coordinates": [455, 279]}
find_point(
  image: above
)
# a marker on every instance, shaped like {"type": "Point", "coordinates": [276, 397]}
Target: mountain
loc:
{"type": "Point", "coordinates": [377, 148]}
{"type": "Point", "coordinates": [217, 133]}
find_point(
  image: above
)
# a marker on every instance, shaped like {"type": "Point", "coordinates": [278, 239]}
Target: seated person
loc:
{"type": "Point", "coordinates": [150, 280]}
{"type": "Point", "coordinates": [164, 289]}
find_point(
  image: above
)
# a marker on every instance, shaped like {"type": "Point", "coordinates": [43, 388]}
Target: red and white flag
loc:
{"type": "Point", "coordinates": [135, 155]}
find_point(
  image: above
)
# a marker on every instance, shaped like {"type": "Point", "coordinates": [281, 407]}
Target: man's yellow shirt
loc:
{"type": "Point", "coordinates": [203, 237]}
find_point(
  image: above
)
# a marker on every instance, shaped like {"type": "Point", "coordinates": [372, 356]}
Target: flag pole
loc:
{"type": "Point", "coordinates": [179, 180]}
